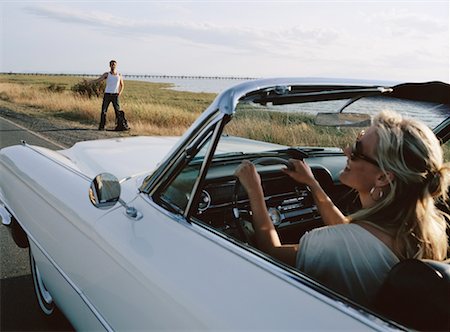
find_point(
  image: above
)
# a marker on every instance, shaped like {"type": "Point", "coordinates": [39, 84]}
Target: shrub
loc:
{"type": "Point", "coordinates": [56, 88]}
{"type": "Point", "coordinates": [88, 89]}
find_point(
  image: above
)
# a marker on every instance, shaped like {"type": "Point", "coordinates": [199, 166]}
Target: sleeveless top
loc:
{"type": "Point", "coordinates": [112, 83]}
{"type": "Point", "coordinates": [346, 258]}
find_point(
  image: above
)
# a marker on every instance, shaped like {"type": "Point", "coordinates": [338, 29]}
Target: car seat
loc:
{"type": "Point", "coordinates": [416, 294]}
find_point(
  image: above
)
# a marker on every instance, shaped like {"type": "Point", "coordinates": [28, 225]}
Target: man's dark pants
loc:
{"type": "Point", "coordinates": [107, 99]}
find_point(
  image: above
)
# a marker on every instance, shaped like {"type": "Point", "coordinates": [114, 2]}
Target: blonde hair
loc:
{"type": "Point", "coordinates": [410, 150]}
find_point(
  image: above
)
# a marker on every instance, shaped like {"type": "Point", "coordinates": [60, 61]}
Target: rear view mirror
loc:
{"type": "Point", "coordinates": [104, 191]}
{"type": "Point", "coordinates": [343, 119]}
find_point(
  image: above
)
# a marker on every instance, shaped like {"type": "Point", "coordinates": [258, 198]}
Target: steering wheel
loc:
{"type": "Point", "coordinates": [265, 161]}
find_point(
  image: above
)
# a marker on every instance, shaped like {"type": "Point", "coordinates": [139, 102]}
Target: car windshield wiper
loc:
{"type": "Point", "coordinates": [239, 155]}
{"type": "Point", "coordinates": [293, 152]}
{"type": "Point", "coordinates": [311, 151]}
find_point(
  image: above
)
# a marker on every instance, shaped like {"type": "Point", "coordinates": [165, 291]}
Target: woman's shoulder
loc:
{"type": "Point", "coordinates": [336, 231]}
{"type": "Point", "coordinates": [343, 238]}
{"type": "Point", "coordinates": [337, 237]}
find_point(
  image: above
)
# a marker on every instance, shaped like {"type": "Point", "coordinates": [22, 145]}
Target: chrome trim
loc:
{"type": "Point", "coordinates": [206, 161]}
{"type": "Point", "coordinates": [290, 276]}
{"type": "Point", "coordinates": [80, 293]}
{"type": "Point", "coordinates": [5, 215]}
{"type": "Point", "coordinates": [154, 180]}
{"type": "Point", "coordinates": [206, 200]}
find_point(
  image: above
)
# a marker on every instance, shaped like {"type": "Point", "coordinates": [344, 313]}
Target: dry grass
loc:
{"type": "Point", "coordinates": [288, 129]}
{"type": "Point", "coordinates": [151, 108]}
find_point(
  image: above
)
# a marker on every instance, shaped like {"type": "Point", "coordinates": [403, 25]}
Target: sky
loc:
{"type": "Point", "coordinates": [362, 39]}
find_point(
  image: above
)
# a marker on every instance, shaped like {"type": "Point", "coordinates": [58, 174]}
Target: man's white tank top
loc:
{"type": "Point", "coordinates": [112, 83]}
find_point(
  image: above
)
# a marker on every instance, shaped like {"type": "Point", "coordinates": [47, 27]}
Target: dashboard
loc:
{"type": "Point", "coordinates": [223, 204]}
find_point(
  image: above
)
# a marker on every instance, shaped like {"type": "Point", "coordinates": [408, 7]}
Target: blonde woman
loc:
{"type": "Point", "coordinates": [397, 168]}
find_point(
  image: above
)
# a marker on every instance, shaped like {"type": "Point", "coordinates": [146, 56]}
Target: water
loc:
{"type": "Point", "coordinates": [210, 85]}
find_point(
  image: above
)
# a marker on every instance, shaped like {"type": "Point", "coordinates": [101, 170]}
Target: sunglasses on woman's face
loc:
{"type": "Point", "coordinates": [356, 152]}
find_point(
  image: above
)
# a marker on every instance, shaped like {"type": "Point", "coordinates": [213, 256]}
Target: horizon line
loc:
{"type": "Point", "coordinates": [137, 75]}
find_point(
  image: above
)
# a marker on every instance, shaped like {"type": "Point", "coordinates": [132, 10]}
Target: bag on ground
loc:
{"type": "Point", "coordinates": [122, 123]}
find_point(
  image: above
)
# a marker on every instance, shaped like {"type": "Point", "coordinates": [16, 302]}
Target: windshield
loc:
{"type": "Point", "coordinates": [268, 127]}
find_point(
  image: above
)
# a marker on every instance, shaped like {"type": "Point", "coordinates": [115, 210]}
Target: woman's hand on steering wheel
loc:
{"type": "Point", "coordinates": [248, 176]}
{"type": "Point", "coordinates": [301, 172]}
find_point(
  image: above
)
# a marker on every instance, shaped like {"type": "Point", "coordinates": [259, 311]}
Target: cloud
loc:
{"type": "Point", "coordinates": [236, 39]}
{"type": "Point", "coordinates": [402, 22]}
{"type": "Point", "coordinates": [67, 15]}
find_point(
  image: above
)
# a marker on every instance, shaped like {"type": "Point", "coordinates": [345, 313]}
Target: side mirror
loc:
{"type": "Point", "coordinates": [343, 119]}
{"type": "Point", "coordinates": [104, 191]}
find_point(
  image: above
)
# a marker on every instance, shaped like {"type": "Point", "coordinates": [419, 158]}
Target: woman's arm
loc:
{"type": "Point", "coordinates": [266, 235]}
{"type": "Point", "coordinates": [329, 212]}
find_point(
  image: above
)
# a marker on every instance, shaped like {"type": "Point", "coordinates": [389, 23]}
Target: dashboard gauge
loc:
{"type": "Point", "coordinates": [205, 201]}
{"type": "Point", "coordinates": [275, 216]}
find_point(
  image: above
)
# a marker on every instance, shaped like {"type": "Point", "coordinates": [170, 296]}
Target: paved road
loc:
{"type": "Point", "coordinates": [19, 310]}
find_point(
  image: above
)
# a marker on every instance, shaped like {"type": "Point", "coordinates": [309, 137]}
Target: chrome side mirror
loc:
{"type": "Point", "coordinates": [104, 191]}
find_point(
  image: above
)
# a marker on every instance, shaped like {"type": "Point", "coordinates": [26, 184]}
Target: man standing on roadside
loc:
{"type": "Point", "coordinates": [114, 87]}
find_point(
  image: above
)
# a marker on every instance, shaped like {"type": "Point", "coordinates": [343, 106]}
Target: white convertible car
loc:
{"type": "Point", "coordinates": [154, 233]}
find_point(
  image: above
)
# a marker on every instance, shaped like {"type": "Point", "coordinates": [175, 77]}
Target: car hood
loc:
{"type": "Point", "coordinates": [131, 156]}
{"type": "Point", "coordinates": [122, 157]}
